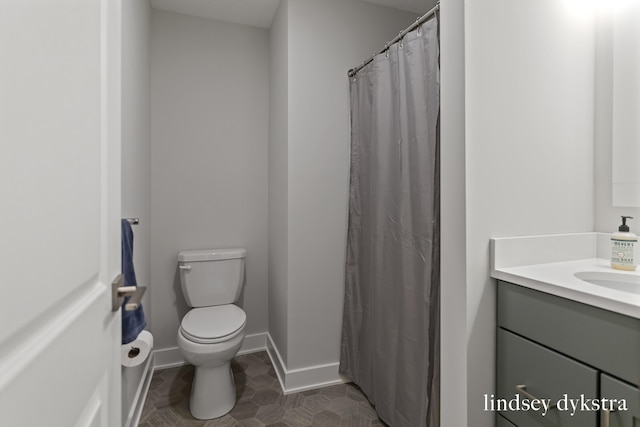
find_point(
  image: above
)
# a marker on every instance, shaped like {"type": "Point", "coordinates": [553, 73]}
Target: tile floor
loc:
{"type": "Point", "coordinates": [260, 400]}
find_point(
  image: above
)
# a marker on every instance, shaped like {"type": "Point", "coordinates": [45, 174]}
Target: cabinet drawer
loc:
{"type": "Point", "coordinates": [612, 388]}
{"type": "Point", "coordinates": [600, 338]}
{"type": "Point", "coordinates": [546, 375]}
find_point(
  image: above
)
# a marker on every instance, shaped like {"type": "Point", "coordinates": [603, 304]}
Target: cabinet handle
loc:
{"type": "Point", "coordinates": [606, 418]}
{"type": "Point", "coordinates": [522, 389]}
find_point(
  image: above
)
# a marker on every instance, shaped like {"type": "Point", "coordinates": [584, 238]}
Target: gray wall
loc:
{"type": "Point", "coordinates": [136, 162]}
{"type": "Point", "coordinates": [209, 181]}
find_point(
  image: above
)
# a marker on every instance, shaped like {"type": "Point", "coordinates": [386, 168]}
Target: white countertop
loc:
{"type": "Point", "coordinates": [510, 262]}
{"type": "Point", "coordinates": [558, 279]}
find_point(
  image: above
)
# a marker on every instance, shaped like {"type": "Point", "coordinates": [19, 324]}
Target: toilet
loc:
{"type": "Point", "coordinates": [211, 333]}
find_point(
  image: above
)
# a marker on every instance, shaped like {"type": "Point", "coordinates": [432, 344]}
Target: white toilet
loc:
{"type": "Point", "coordinates": [212, 332]}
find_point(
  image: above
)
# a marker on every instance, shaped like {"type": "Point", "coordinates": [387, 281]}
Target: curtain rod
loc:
{"type": "Point", "coordinates": [352, 72]}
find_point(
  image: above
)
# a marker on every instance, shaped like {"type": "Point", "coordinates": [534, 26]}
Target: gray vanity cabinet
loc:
{"type": "Point", "coordinates": [553, 348]}
{"type": "Point", "coordinates": [616, 389]}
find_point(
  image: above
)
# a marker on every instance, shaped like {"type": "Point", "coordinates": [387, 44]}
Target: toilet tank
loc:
{"type": "Point", "coordinates": [211, 276]}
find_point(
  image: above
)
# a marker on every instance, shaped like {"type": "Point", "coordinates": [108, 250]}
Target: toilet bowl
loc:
{"type": "Point", "coordinates": [209, 338]}
{"type": "Point", "coordinates": [213, 393]}
{"type": "Point", "coordinates": [212, 333]}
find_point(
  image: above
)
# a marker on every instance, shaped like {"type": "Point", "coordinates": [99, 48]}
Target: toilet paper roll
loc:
{"type": "Point", "coordinates": [137, 351]}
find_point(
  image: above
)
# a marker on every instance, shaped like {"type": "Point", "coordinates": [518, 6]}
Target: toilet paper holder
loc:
{"type": "Point", "coordinates": [119, 292]}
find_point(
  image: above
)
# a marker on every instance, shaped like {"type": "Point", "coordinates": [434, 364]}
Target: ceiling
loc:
{"type": "Point", "coordinates": [260, 13]}
{"type": "Point", "coordinates": [420, 7]}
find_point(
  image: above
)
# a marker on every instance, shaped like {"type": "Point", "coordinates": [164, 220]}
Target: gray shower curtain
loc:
{"type": "Point", "coordinates": [390, 337]}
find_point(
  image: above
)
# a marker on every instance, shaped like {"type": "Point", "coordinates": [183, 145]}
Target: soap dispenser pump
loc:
{"type": "Point", "coordinates": [624, 247]}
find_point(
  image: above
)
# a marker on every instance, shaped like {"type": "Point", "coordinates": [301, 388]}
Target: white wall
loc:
{"type": "Point", "coordinates": [529, 70]}
{"type": "Point", "coordinates": [209, 143]}
{"type": "Point", "coordinates": [278, 179]}
{"type": "Point", "coordinates": [136, 162]}
{"type": "Point", "coordinates": [453, 277]}
{"type": "Point", "coordinates": [324, 40]}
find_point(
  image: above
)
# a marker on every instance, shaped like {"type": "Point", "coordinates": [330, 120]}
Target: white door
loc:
{"type": "Point", "coordinates": [59, 212]}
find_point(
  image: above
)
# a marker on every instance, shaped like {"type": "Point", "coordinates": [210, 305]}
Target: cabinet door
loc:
{"type": "Point", "coordinates": [545, 375]}
{"type": "Point", "coordinates": [502, 422]}
{"type": "Point", "coordinates": [612, 388]}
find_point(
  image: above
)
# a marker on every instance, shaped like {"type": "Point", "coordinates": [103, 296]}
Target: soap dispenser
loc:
{"type": "Point", "coordinates": [623, 247]}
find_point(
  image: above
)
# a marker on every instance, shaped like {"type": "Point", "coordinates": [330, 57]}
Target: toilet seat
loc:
{"type": "Point", "coordinates": [211, 325]}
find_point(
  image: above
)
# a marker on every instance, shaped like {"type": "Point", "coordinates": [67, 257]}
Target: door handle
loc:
{"type": "Point", "coordinates": [119, 292]}
{"type": "Point", "coordinates": [184, 267]}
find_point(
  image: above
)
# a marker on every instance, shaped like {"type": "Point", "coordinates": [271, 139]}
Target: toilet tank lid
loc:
{"type": "Point", "coordinates": [211, 254]}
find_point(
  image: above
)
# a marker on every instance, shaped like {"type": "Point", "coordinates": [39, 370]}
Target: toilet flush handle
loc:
{"type": "Point", "coordinates": [185, 267]}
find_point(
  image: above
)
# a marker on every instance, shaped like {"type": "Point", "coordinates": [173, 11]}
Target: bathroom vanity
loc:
{"type": "Point", "coordinates": [554, 346]}
{"type": "Point", "coordinates": [568, 332]}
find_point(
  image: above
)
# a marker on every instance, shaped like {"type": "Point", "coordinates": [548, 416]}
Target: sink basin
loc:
{"type": "Point", "coordinates": [617, 281]}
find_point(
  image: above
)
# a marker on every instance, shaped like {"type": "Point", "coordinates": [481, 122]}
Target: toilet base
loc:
{"type": "Point", "coordinates": [213, 393]}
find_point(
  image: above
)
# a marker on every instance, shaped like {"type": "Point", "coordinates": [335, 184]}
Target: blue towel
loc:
{"type": "Point", "coordinates": [133, 322]}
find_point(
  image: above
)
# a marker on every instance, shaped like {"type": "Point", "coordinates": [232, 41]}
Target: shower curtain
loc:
{"type": "Point", "coordinates": [390, 337]}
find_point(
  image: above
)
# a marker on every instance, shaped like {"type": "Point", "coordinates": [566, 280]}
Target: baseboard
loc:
{"type": "Point", "coordinates": [308, 378]}
{"type": "Point", "coordinates": [291, 380]}
{"type": "Point", "coordinates": [166, 358]}
{"type": "Point", "coordinates": [276, 361]}
{"type": "Point", "coordinates": [254, 343]}
{"type": "Point", "coordinates": [141, 394]}
{"type": "Point", "coordinates": [172, 357]}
